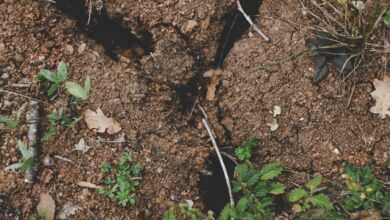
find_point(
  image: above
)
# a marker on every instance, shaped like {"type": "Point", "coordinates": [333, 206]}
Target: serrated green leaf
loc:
{"type": "Point", "coordinates": [314, 183]}
{"type": "Point", "coordinates": [297, 194]}
{"type": "Point", "coordinates": [277, 188]}
{"type": "Point", "coordinates": [321, 201]}
{"type": "Point", "coordinates": [76, 90]}
{"type": "Point", "coordinates": [62, 72]}
{"type": "Point", "coordinates": [271, 171]}
{"type": "Point", "coordinates": [169, 215]}
{"type": "Point", "coordinates": [10, 123]}
{"type": "Point", "coordinates": [47, 75]}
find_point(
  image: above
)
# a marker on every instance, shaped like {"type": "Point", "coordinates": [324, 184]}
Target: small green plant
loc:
{"type": "Point", "coordinates": [308, 197]}
{"type": "Point", "coordinates": [9, 122]}
{"type": "Point", "coordinates": [77, 90]}
{"type": "Point", "coordinates": [386, 18]}
{"type": "Point", "coordinates": [57, 78]}
{"type": "Point", "coordinates": [58, 118]}
{"type": "Point", "coordinates": [122, 181]}
{"type": "Point", "coordinates": [186, 210]}
{"type": "Point", "coordinates": [54, 79]}
{"type": "Point", "coordinates": [364, 191]}
{"type": "Point", "coordinates": [27, 160]}
{"type": "Point", "coordinates": [244, 152]}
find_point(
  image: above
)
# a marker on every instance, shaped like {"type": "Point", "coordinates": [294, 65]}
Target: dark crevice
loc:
{"type": "Point", "coordinates": [212, 185]}
{"type": "Point", "coordinates": [235, 26]}
{"type": "Point", "coordinates": [107, 31]}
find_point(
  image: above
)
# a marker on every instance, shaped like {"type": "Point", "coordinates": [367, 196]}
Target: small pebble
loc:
{"type": "Point", "coordinates": [69, 49]}
{"type": "Point", "coordinates": [18, 58]}
{"type": "Point", "coordinates": [48, 161]}
{"type": "Point", "coordinates": [81, 48]}
{"type": "Point", "coordinates": [5, 76]}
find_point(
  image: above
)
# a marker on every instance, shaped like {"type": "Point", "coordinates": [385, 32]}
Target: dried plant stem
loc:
{"type": "Point", "coordinates": [249, 20]}
{"type": "Point", "coordinates": [32, 118]}
{"type": "Point", "coordinates": [204, 121]}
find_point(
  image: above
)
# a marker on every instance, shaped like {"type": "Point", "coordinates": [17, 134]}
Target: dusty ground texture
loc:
{"type": "Point", "coordinates": [320, 125]}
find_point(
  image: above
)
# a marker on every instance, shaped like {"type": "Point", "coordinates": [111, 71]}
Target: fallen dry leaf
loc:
{"type": "Point", "coordinates": [370, 214]}
{"type": "Point", "coordinates": [46, 207]}
{"type": "Point", "coordinates": [97, 120]}
{"type": "Point", "coordinates": [273, 125]}
{"type": "Point", "coordinates": [382, 97]}
{"type": "Point", "coordinates": [215, 76]}
{"type": "Point", "coordinates": [68, 210]}
{"type": "Point", "coordinates": [82, 146]}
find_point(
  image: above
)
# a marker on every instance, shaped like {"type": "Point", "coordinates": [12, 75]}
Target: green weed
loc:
{"type": "Point", "coordinates": [121, 181]}
{"type": "Point", "coordinates": [58, 118]}
{"type": "Point", "coordinates": [54, 79]}
{"type": "Point", "coordinates": [27, 160]}
{"type": "Point", "coordinates": [9, 122]}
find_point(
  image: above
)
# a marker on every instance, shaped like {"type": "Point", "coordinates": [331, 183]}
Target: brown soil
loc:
{"type": "Point", "coordinates": [320, 125]}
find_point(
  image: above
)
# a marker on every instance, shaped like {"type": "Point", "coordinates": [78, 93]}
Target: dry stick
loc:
{"type": "Point", "coordinates": [18, 94]}
{"type": "Point", "coordinates": [32, 118]}
{"type": "Point", "coordinates": [220, 161]}
{"type": "Point", "coordinates": [249, 20]}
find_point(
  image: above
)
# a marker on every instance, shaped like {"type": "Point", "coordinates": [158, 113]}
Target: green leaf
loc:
{"type": "Point", "coordinates": [226, 213]}
{"type": "Point", "coordinates": [76, 90]}
{"type": "Point", "coordinates": [386, 19]}
{"type": "Point", "coordinates": [271, 171]}
{"type": "Point", "coordinates": [321, 201]}
{"type": "Point", "coordinates": [169, 215]}
{"type": "Point", "coordinates": [314, 183]}
{"type": "Point", "coordinates": [47, 75]}
{"type": "Point", "coordinates": [244, 152]}
{"type": "Point", "coordinates": [242, 205]}
{"type": "Point", "coordinates": [62, 72]}
{"type": "Point", "coordinates": [24, 150]}
{"type": "Point", "coordinates": [14, 167]}
{"type": "Point", "coordinates": [297, 194]}
{"type": "Point", "coordinates": [277, 188]}
{"type": "Point", "coordinates": [52, 89]}
{"type": "Point", "coordinates": [10, 123]}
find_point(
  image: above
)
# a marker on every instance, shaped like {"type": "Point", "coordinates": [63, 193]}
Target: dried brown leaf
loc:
{"type": "Point", "coordinates": [382, 97]}
{"type": "Point", "coordinates": [215, 76]}
{"type": "Point", "coordinates": [98, 121]}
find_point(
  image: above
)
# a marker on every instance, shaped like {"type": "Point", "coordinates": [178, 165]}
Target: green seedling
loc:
{"type": "Point", "coordinates": [308, 197]}
{"type": "Point", "coordinates": [386, 18]}
{"type": "Point", "coordinates": [55, 79]}
{"type": "Point", "coordinates": [27, 160]}
{"type": "Point", "coordinates": [258, 189]}
{"type": "Point", "coordinates": [58, 118]}
{"type": "Point", "coordinates": [121, 181]}
{"type": "Point", "coordinates": [244, 152]}
{"type": "Point", "coordinates": [9, 122]}
{"type": "Point", "coordinates": [77, 90]}
{"type": "Point", "coordinates": [364, 191]}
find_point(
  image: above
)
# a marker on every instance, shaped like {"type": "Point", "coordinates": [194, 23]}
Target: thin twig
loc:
{"type": "Point", "coordinates": [252, 24]}
{"type": "Point", "coordinates": [63, 158]}
{"type": "Point", "coordinates": [220, 160]}
{"type": "Point", "coordinates": [18, 94]}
